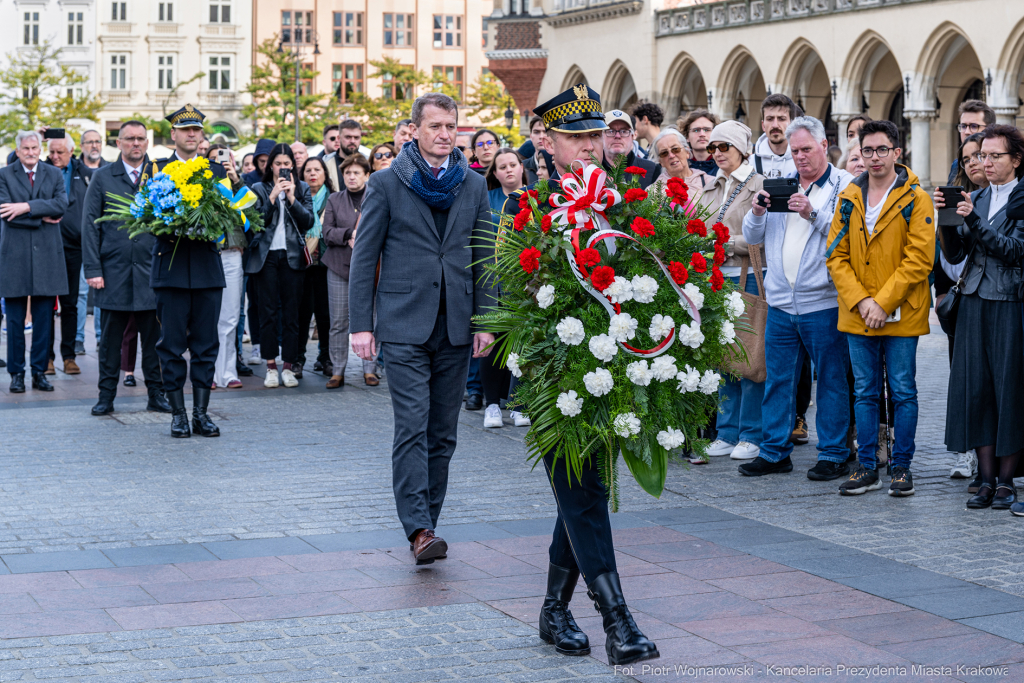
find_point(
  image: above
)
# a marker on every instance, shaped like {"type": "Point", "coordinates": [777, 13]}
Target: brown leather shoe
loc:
{"type": "Point", "coordinates": [49, 368]}
{"type": "Point", "coordinates": [335, 382]}
{"type": "Point", "coordinates": [427, 547]}
{"type": "Point", "coordinates": [370, 379]}
{"type": "Point", "coordinates": [71, 367]}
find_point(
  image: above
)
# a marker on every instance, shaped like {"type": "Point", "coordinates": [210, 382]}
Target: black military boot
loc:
{"type": "Point", "coordinates": [556, 623]}
{"type": "Point", "coordinates": [625, 643]}
{"type": "Point", "coordinates": [201, 422]}
{"type": "Point", "coordinates": [157, 401]}
{"type": "Point", "coordinates": [179, 417]}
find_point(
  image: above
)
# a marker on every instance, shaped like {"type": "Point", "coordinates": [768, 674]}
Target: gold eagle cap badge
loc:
{"type": "Point", "coordinates": [580, 91]}
{"type": "Point", "coordinates": [189, 109]}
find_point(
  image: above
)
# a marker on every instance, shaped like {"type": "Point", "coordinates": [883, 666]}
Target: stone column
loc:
{"type": "Point", "coordinates": [921, 143]}
{"type": "Point", "coordinates": [1006, 115]}
{"type": "Point", "coordinates": [842, 123]}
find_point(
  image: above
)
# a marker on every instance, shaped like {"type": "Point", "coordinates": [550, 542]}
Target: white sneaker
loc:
{"type": "Point", "coordinates": [492, 417]}
{"type": "Point", "coordinates": [246, 339]}
{"type": "Point", "coordinates": [271, 381]}
{"type": "Point", "coordinates": [254, 357]}
{"type": "Point", "coordinates": [745, 451]}
{"type": "Point", "coordinates": [288, 379]}
{"type": "Point", "coordinates": [720, 447]}
{"type": "Point", "coordinates": [966, 465]}
{"type": "Point", "coordinates": [519, 419]}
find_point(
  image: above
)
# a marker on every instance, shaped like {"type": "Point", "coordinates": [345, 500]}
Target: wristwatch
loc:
{"type": "Point", "coordinates": [814, 216]}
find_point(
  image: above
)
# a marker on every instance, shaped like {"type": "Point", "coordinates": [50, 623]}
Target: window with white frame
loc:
{"type": "Point", "coordinates": [220, 72]}
{"type": "Point", "coordinates": [119, 11]}
{"type": "Point", "coordinates": [31, 35]}
{"type": "Point", "coordinates": [220, 11]}
{"type": "Point", "coordinates": [119, 72]}
{"type": "Point", "coordinates": [447, 31]}
{"type": "Point", "coordinates": [76, 27]}
{"type": "Point", "coordinates": [165, 11]}
{"type": "Point", "coordinates": [164, 72]}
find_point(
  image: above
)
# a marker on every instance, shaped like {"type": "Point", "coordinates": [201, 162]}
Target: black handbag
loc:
{"type": "Point", "coordinates": [947, 309]}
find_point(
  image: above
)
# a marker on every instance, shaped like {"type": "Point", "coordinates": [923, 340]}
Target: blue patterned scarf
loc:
{"type": "Point", "coordinates": [413, 170]}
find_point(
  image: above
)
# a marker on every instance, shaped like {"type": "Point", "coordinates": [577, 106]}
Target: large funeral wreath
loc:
{"type": "Point", "coordinates": [615, 316]}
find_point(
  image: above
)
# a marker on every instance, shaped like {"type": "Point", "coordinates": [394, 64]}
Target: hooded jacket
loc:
{"type": "Point", "coordinates": [768, 163]}
{"type": "Point", "coordinates": [892, 264]}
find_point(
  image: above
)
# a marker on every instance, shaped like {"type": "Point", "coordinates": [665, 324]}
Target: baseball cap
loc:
{"type": "Point", "coordinates": [618, 115]}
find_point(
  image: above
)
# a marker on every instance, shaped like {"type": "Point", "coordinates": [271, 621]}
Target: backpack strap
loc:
{"type": "Point", "coordinates": [845, 209]}
{"type": "Point", "coordinates": [758, 164]}
{"type": "Point", "coordinates": [908, 210]}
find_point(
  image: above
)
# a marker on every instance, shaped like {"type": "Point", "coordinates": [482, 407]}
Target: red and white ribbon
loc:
{"type": "Point", "coordinates": [615, 309]}
{"type": "Point", "coordinates": [582, 201]}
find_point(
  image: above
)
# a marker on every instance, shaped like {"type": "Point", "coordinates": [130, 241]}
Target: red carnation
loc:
{"type": "Point", "coordinates": [530, 259]}
{"type": "Point", "coordinates": [545, 223]}
{"type": "Point", "coordinates": [721, 233]}
{"type": "Point", "coordinates": [636, 170]}
{"type": "Point", "coordinates": [698, 263]}
{"type": "Point", "coordinates": [677, 190]}
{"type": "Point", "coordinates": [602, 277]}
{"type": "Point", "coordinates": [588, 257]}
{"type": "Point", "coordinates": [697, 227]}
{"type": "Point", "coordinates": [717, 281]}
{"type": "Point", "coordinates": [642, 227]}
{"type": "Point", "coordinates": [524, 199]}
{"type": "Point", "coordinates": [678, 272]}
{"type": "Point", "coordinates": [719, 255]}
{"type": "Point", "coordinates": [634, 195]}
{"type": "Point", "coordinates": [522, 218]}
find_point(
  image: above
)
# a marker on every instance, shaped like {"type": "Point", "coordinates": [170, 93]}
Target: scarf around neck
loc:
{"type": "Point", "coordinates": [414, 171]}
{"type": "Point", "coordinates": [319, 199]}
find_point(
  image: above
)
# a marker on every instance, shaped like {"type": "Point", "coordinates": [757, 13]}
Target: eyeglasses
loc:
{"type": "Point", "coordinates": [991, 156]}
{"type": "Point", "coordinates": [882, 152]}
{"type": "Point", "coordinates": [701, 130]}
{"type": "Point", "coordinates": [488, 143]}
{"type": "Point", "coordinates": [674, 151]}
{"type": "Point", "coordinates": [615, 133]}
{"type": "Point", "coordinates": [722, 147]}
{"type": "Point", "coordinates": [333, 138]}
{"type": "Point", "coordinates": [382, 155]}
{"type": "Point", "coordinates": [972, 127]}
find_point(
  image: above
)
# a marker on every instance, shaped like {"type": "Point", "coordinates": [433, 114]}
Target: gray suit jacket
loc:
{"type": "Point", "coordinates": [397, 228]}
{"type": "Point", "coordinates": [32, 251]}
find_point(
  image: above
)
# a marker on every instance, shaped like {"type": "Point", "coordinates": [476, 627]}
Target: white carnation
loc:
{"type": "Point", "coordinates": [599, 382]}
{"type": "Point", "coordinates": [661, 326]}
{"type": "Point", "coordinates": [689, 380]}
{"type": "Point", "coordinates": [671, 438]}
{"type": "Point", "coordinates": [709, 382]}
{"type": "Point", "coordinates": [638, 373]}
{"type": "Point", "coordinates": [570, 331]}
{"type": "Point", "coordinates": [603, 347]}
{"type": "Point", "coordinates": [626, 425]}
{"type": "Point", "coordinates": [513, 364]}
{"type": "Point", "coordinates": [691, 335]}
{"type": "Point", "coordinates": [734, 305]}
{"type": "Point", "coordinates": [619, 291]}
{"type": "Point", "coordinates": [695, 295]}
{"type": "Point", "coordinates": [644, 288]}
{"type": "Point", "coordinates": [664, 368]}
{"type": "Point", "coordinates": [570, 404]}
{"type": "Point", "coordinates": [622, 327]}
{"type": "Point", "coordinates": [545, 296]}
{"type": "Point", "coordinates": [728, 334]}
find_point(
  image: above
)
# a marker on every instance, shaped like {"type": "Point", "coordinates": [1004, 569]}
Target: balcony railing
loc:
{"type": "Point", "coordinates": [118, 96]}
{"type": "Point", "coordinates": [163, 29]}
{"type": "Point", "coordinates": [219, 29]}
{"type": "Point", "coordinates": [219, 99]}
{"type": "Point", "coordinates": [118, 28]}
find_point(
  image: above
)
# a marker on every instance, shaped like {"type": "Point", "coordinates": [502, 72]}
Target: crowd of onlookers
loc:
{"type": "Point", "coordinates": [847, 268]}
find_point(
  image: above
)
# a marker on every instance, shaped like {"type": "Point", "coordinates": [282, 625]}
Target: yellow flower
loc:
{"type": "Point", "coordinates": [207, 174]}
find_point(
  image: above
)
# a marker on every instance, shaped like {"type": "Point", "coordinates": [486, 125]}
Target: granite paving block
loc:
{"type": "Point", "coordinates": [355, 540]}
{"type": "Point", "coordinates": [61, 623]}
{"type": "Point", "coordinates": [782, 552]}
{"type": "Point", "coordinates": [128, 576]}
{"type": "Point", "coordinates": [394, 597]}
{"type": "Point", "coordinates": [440, 571]}
{"type": "Point", "coordinates": [289, 606]}
{"type": "Point", "coordinates": [457, 533]}
{"type": "Point", "coordinates": [726, 567]}
{"type": "Point", "coordinates": [527, 527]}
{"type": "Point", "coordinates": [976, 649]}
{"type": "Point", "coordinates": [56, 562]}
{"type": "Point", "coordinates": [963, 603]}
{"type": "Point", "coordinates": [169, 616]}
{"type": "Point", "coordinates": [662, 585]}
{"type": "Point", "coordinates": [674, 552]}
{"type": "Point", "coordinates": [18, 603]}
{"type": "Point", "coordinates": [904, 584]}
{"type": "Point", "coordinates": [316, 582]}
{"type": "Point", "coordinates": [821, 650]}
{"type": "Point", "coordinates": [819, 607]}
{"type": "Point", "coordinates": [345, 559]}
{"type": "Point", "coordinates": [749, 535]}
{"type": "Point", "coordinates": [93, 598]}
{"type": "Point", "coordinates": [842, 566]}
{"type": "Point", "coordinates": [201, 591]}
{"type": "Point", "coordinates": [692, 514]}
{"type": "Point", "coordinates": [232, 569]}
{"type": "Point", "coordinates": [779, 585]}
{"type": "Point", "coordinates": [531, 585]}
{"type": "Point", "coordinates": [896, 627]}
{"type": "Point", "coordinates": [1009, 625]}
{"type": "Point", "coordinates": [260, 547]}
{"type": "Point", "coordinates": [699, 607]}
{"type": "Point", "coordinates": [756, 628]}
{"type": "Point", "coordinates": [158, 554]}
{"type": "Point", "coordinates": [47, 581]}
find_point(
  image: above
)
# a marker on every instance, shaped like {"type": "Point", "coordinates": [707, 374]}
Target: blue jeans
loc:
{"type": "Point", "coordinates": [740, 418]}
{"type": "Point", "coordinates": [83, 300]}
{"type": "Point", "coordinates": [786, 338]}
{"type": "Point", "coordinates": [474, 385]}
{"type": "Point", "coordinates": [901, 362]}
{"type": "Point", "coordinates": [42, 325]}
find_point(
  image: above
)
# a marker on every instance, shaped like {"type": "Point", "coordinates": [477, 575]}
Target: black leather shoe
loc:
{"type": "Point", "coordinates": [557, 625]}
{"type": "Point", "coordinates": [18, 383]}
{"type": "Point", "coordinates": [241, 369]}
{"type": "Point", "coordinates": [201, 422]}
{"type": "Point", "coordinates": [826, 470]}
{"type": "Point", "coordinates": [158, 402]}
{"type": "Point", "coordinates": [3, 363]}
{"type": "Point", "coordinates": [40, 382]}
{"type": "Point", "coordinates": [984, 498]}
{"type": "Point", "coordinates": [179, 418]}
{"type": "Point", "coordinates": [129, 380]}
{"type": "Point", "coordinates": [105, 406]}
{"type": "Point", "coordinates": [328, 370]}
{"type": "Point", "coordinates": [318, 367]}
{"type": "Point", "coordinates": [624, 642]}
{"type": "Point", "coordinates": [759, 467]}
{"type": "Point", "coordinates": [474, 402]}
{"type": "Point", "coordinates": [1004, 502]}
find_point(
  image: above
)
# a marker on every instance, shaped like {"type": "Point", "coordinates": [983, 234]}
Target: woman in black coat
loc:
{"type": "Point", "coordinates": [277, 261]}
{"type": "Point", "coordinates": [986, 382]}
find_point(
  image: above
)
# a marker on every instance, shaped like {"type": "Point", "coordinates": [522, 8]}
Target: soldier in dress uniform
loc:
{"type": "Point", "coordinates": [582, 539]}
{"type": "Point", "coordinates": [188, 279]}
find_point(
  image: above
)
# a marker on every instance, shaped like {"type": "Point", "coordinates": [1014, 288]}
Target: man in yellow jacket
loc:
{"type": "Point", "coordinates": [880, 252]}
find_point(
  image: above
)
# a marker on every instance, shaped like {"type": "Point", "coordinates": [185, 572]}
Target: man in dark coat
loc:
{"type": "Point", "coordinates": [32, 201]}
{"type": "Point", "coordinates": [76, 177]}
{"type": "Point", "coordinates": [188, 278]}
{"type": "Point", "coordinates": [618, 140]}
{"type": "Point", "coordinates": [117, 267]}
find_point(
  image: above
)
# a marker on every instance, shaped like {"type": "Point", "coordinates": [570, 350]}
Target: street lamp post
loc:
{"type": "Point", "coordinates": [296, 54]}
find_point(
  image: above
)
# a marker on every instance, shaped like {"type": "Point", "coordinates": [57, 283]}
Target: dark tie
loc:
{"type": "Point", "coordinates": [32, 178]}
{"type": "Point", "coordinates": [435, 171]}
{"type": "Point", "coordinates": [135, 176]}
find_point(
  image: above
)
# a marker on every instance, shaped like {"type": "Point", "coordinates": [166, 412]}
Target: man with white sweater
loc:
{"type": "Point", "coordinates": [803, 309]}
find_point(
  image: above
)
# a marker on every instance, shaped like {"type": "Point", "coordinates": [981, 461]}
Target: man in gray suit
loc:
{"type": "Point", "coordinates": [418, 219]}
{"type": "Point", "coordinates": [32, 201]}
